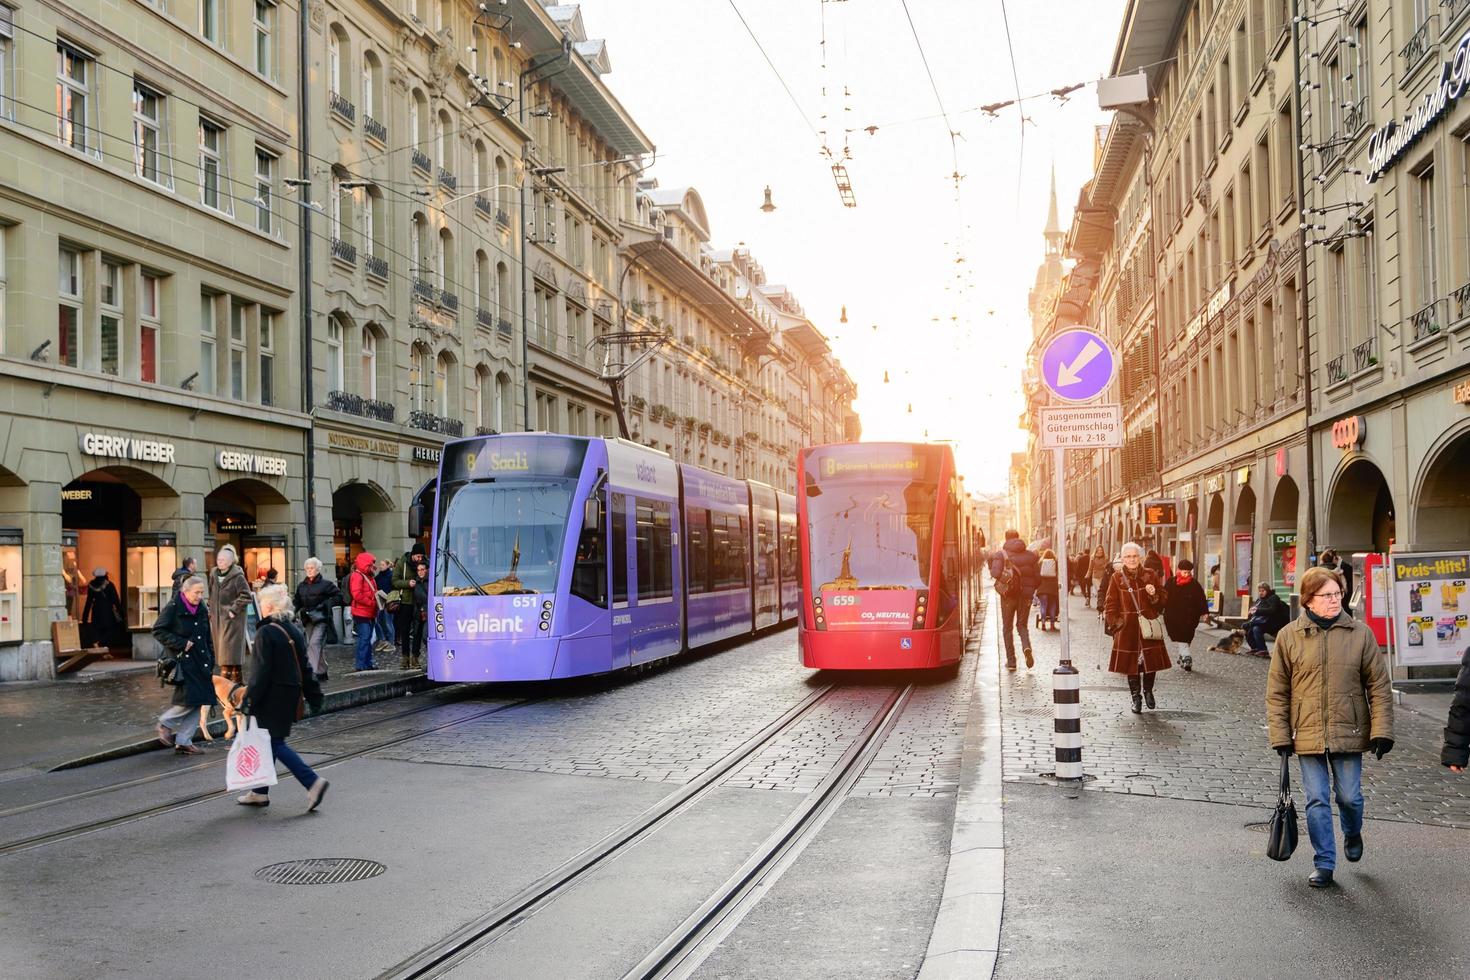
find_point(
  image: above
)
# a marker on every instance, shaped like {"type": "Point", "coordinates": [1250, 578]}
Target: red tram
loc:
{"type": "Point", "coordinates": [890, 557]}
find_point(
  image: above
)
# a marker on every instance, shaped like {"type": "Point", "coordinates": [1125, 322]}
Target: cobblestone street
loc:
{"type": "Point", "coordinates": [1207, 740]}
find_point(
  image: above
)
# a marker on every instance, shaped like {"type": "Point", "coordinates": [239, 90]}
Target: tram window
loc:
{"type": "Point", "coordinates": [655, 534]}
{"type": "Point", "coordinates": [788, 552]}
{"type": "Point", "coordinates": [765, 553]}
{"type": "Point", "coordinates": [589, 574]}
{"type": "Point", "coordinates": [729, 543]}
{"type": "Point", "coordinates": [696, 541]}
{"type": "Point", "coordinates": [619, 549]}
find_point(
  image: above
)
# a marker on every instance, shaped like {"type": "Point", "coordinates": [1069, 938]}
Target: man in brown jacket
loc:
{"type": "Point", "coordinates": [1328, 699]}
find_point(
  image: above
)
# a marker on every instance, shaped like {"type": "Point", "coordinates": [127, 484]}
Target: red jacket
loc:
{"type": "Point", "coordinates": [362, 587]}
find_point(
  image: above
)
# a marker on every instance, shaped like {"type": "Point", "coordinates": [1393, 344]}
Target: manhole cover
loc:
{"type": "Point", "coordinates": [1259, 826]}
{"type": "Point", "coordinates": [1087, 777]}
{"type": "Point", "coordinates": [321, 871]}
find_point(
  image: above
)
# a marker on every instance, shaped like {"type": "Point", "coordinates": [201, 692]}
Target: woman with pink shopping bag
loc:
{"type": "Point", "coordinates": [281, 685]}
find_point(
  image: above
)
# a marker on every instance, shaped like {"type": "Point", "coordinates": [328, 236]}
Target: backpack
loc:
{"type": "Point", "coordinates": [1008, 583]}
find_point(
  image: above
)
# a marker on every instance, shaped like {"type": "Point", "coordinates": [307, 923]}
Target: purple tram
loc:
{"type": "Point", "coordinates": [559, 556]}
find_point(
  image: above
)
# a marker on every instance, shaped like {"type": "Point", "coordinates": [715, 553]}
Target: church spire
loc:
{"type": "Point", "coordinates": [1053, 226]}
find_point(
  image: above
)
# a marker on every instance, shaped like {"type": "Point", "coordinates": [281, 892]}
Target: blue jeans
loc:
{"type": "Point", "coordinates": [1014, 614]}
{"type": "Point", "coordinates": [1048, 606]}
{"type": "Point", "coordinates": [362, 628]}
{"type": "Point", "coordinates": [385, 626]}
{"type": "Point", "coordinates": [1347, 779]}
{"type": "Point", "coordinates": [1255, 634]}
{"type": "Point", "coordinates": [294, 763]}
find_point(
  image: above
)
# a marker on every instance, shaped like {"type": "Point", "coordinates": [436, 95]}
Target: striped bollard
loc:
{"type": "Point", "coordinates": [1066, 696]}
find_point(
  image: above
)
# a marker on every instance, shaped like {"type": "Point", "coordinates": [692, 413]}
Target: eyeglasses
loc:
{"type": "Point", "coordinates": [1328, 595]}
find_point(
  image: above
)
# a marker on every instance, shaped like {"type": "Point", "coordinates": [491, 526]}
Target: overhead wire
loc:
{"type": "Point", "coordinates": [1021, 153]}
{"type": "Point", "coordinates": [779, 77]}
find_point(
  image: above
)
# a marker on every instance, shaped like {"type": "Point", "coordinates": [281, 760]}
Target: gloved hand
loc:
{"type": "Point", "coordinates": [1380, 747]}
{"type": "Point", "coordinates": [1283, 750]}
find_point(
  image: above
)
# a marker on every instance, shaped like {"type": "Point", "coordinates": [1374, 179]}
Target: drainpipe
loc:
{"type": "Point", "coordinates": [1302, 304]}
{"type": "Point", "coordinates": [303, 247]}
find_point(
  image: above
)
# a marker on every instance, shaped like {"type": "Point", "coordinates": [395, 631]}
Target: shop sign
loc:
{"type": "Point", "coordinates": [1348, 433]}
{"type": "Point", "coordinates": [258, 463]}
{"type": "Point", "coordinates": [1430, 607]}
{"type": "Point", "coordinates": [1187, 490]}
{"type": "Point", "coordinates": [1242, 476]}
{"type": "Point", "coordinates": [77, 495]}
{"type": "Point", "coordinates": [422, 454]}
{"type": "Point", "coordinates": [1215, 484]}
{"type": "Point", "coordinates": [126, 447]}
{"type": "Point", "coordinates": [348, 442]}
{"type": "Point", "coordinates": [1283, 560]}
{"type": "Point", "coordinates": [1462, 392]}
{"type": "Point", "coordinates": [1281, 461]}
{"type": "Point", "coordinates": [1394, 139]}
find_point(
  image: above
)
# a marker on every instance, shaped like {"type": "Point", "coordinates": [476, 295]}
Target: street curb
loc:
{"type": "Point", "coordinates": [966, 935]}
{"type": "Point", "coordinates": [351, 697]}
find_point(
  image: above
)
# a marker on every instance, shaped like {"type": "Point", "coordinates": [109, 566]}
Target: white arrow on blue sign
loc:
{"type": "Point", "coordinates": [1078, 364]}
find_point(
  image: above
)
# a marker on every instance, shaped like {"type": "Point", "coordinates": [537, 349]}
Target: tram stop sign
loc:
{"type": "Point", "coordinates": [1078, 365]}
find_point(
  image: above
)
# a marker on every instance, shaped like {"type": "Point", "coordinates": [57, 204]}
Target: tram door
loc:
{"type": "Point", "coordinates": [617, 556]}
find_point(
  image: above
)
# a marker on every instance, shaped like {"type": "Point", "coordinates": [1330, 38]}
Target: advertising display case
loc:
{"type": "Point", "coordinates": [11, 582]}
{"type": "Point", "coordinates": [264, 551]}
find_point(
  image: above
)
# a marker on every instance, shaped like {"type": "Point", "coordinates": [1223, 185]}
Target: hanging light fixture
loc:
{"type": "Point", "coordinates": [885, 377]}
{"type": "Point", "coordinates": [843, 318]}
{"type": "Point", "coordinates": [767, 206]}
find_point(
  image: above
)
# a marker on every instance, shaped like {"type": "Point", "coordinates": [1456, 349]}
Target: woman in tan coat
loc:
{"type": "Point", "coordinates": [1328, 699]}
{"type": "Point", "coordinates": [229, 596]}
{"type": "Point", "coordinates": [1135, 591]}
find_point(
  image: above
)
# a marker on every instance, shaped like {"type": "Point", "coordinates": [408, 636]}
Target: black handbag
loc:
{"type": "Point", "coordinates": [168, 671]}
{"type": "Point", "coordinates": [1282, 837]}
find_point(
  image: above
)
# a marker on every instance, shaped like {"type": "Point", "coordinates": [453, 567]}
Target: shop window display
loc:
{"type": "Point", "coordinates": [10, 584]}
{"type": "Point", "coordinates": [152, 557]}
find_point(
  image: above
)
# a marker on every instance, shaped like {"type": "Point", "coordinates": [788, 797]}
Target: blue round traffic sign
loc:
{"type": "Point", "coordinates": [1078, 364]}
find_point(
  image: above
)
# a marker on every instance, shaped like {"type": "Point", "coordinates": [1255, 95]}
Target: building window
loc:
{"type": "Point", "coordinates": [210, 20]}
{"type": "Point", "coordinates": [334, 354]}
{"type": "Point", "coordinates": [418, 377]}
{"type": "Point", "coordinates": [207, 348]}
{"type": "Point", "coordinates": [265, 29]}
{"type": "Point", "coordinates": [372, 221]}
{"type": "Point", "coordinates": [267, 358]}
{"type": "Point", "coordinates": [149, 326]}
{"type": "Point", "coordinates": [238, 374]}
{"type": "Point", "coordinates": [149, 161]}
{"type": "Point", "coordinates": [441, 385]}
{"type": "Point", "coordinates": [73, 97]}
{"type": "Point", "coordinates": [69, 306]}
{"type": "Point", "coordinates": [265, 191]}
{"type": "Point", "coordinates": [109, 322]}
{"type": "Point", "coordinates": [370, 84]}
{"type": "Point", "coordinates": [369, 363]}
{"type": "Point", "coordinates": [1428, 237]}
{"type": "Point", "coordinates": [212, 170]}
{"type": "Point", "coordinates": [7, 42]}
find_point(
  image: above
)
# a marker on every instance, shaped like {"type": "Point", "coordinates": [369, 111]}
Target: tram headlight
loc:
{"type": "Point", "coordinates": [545, 625]}
{"type": "Point", "coordinates": [546, 604]}
{"type": "Point", "coordinates": [438, 607]}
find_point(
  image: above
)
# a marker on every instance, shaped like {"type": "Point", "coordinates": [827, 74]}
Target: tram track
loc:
{"type": "Point", "coordinates": [94, 826]}
{"type": "Point", "coordinates": [96, 791]}
{"type": "Point", "coordinates": [684, 949]}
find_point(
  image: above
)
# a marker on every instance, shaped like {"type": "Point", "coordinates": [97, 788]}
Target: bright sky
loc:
{"type": "Point", "coordinates": [950, 335]}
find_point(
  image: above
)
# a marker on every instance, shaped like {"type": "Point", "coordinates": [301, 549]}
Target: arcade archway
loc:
{"type": "Point", "coordinates": [1442, 509]}
{"type": "Point", "coordinates": [362, 520]}
{"type": "Point", "coordinates": [1360, 510]}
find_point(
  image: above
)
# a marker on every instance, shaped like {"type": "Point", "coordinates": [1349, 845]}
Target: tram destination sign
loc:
{"type": "Point", "coordinates": [1082, 427]}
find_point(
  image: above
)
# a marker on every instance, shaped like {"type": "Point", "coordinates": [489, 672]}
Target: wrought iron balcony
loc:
{"type": "Point", "coordinates": [375, 266]}
{"type": "Point", "coordinates": [429, 422]}
{"type": "Point", "coordinates": [485, 318]}
{"type": "Point", "coordinates": [338, 104]}
{"type": "Point", "coordinates": [447, 180]}
{"type": "Point", "coordinates": [1426, 322]}
{"type": "Point", "coordinates": [344, 251]}
{"type": "Point", "coordinates": [1419, 43]}
{"type": "Point", "coordinates": [1453, 9]}
{"type": "Point", "coordinates": [1365, 355]}
{"type": "Point", "coordinates": [503, 326]}
{"type": "Point", "coordinates": [485, 430]}
{"type": "Point", "coordinates": [368, 408]}
{"type": "Point", "coordinates": [1355, 117]}
{"type": "Point", "coordinates": [1337, 369]}
{"type": "Point", "coordinates": [448, 300]}
{"type": "Point", "coordinates": [483, 205]}
{"type": "Point", "coordinates": [501, 218]}
{"type": "Point", "coordinates": [375, 130]}
{"type": "Point", "coordinates": [422, 163]}
{"type": "Point", "coordinates": [1461, 298]}
{"type": "Point", "coordinates": [424, 290]}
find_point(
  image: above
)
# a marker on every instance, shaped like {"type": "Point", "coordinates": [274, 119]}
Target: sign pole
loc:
{"type": "Point", "coordinates": [1066, 682]}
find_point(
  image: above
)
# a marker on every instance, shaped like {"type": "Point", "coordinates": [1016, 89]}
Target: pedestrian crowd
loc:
{"type": "Point", "coordinates": [262, 646]}
{"type": "Point", "coordinates": [1328, 693]}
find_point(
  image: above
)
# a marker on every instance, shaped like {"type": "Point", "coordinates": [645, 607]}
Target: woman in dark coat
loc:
{"type": "Point", "coordinates": [229, 597]}
{"type": "Point", "coordinates": [103, 613]}
{"type": "Point", "coordinates": [182, 629]}
{"type": "Point", "coordinates": [1135, 591]}
{"type": "Point", "coordinates": [1456, 751]}
{"type": "Point", "coordinates": [1184, 604]}
{"type": "Point", "coordinates": [280, 678]}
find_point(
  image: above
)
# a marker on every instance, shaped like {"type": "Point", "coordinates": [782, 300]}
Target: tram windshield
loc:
{"type": "Point", "coordinates": [869, 529]}
{"type": "Point", "coordinates": [502, 537]}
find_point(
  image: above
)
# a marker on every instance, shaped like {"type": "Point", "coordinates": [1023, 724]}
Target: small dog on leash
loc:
{"type": "Point", "coordinates": [1231, 643]}
{"type": "Point", "coordinates": [229, 694]}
